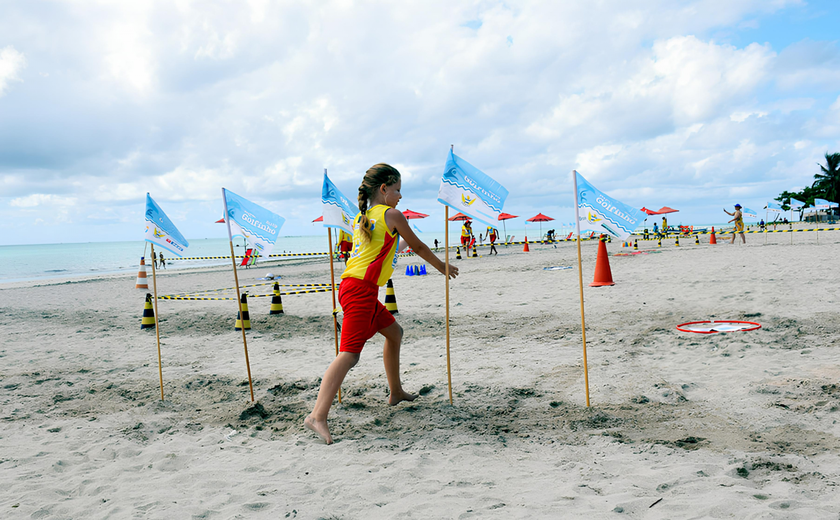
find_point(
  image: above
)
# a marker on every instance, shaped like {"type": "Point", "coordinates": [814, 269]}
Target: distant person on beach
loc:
{"type": "Point", "coordinates": [466, 234]}
{"type": "Point", "coordinates": [155, 259]}
{"type": "Point", "coordinates": [655, 230]}
{"type": "Point", "coordinates": [664, 225]}
{"type": "Point", "coordinates": [345, 245]}
{"type": "Point", "coordinates": [492, 233]}
{"type": "Point", "coordinates": [436, 244]}
{"type": "Point", "coordinates": [738, 220]}
{"type": "Point", "coordinates": [761, 224]}
{"type": "Point", "coordinates": [376, 236]}
{"type": "Point", "coordinates": [162, 261]}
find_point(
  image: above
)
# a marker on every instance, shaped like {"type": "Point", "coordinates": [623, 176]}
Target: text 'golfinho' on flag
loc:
{"type": "Point", "coordinates": [338, 212]}
{"type": "Point", "coordinates": [603, 214]}
{"type": "Point", "coordinates": [258, 225]}
{"type": "Point", "coordinates": [467, 189]}
{"type": "Point", "coordinates": [161, 232]}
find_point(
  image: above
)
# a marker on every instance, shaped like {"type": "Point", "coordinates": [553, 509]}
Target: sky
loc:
{"type": "Point", "coordinates": [696, 105]}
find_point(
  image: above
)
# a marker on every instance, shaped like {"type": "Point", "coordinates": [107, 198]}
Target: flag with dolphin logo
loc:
{"type": "Point", "coordinates": [338, 212]}
{"type": "Point", "coordinates": [467, 189]}
{"type": "Point", "coordinates": [258, 225]}
{"type": "Point", "coordinates": [774, 207]}
{"type": "Point", "coordinates": [603, 214]}
{"type": "Point", "coordinates": [161, 232]}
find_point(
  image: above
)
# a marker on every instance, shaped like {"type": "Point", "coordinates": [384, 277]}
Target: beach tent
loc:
{"type": "Point", "coordinates": [539, 217]}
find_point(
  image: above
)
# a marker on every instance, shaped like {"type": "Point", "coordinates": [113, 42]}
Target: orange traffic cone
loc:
{"type": "Point", "coordinates": [142, 283]}
{"type": "Point", "coordinates": [713, 240]}
{"type": "Point", "coordinates": [526, 249]}
{"type": "Point", "coordinates": [603, 275]}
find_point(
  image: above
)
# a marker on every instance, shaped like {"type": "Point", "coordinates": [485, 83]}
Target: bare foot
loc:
{"type": "Point", "coordinates": [403, 396]}
{"type": "Point", "coordinates": [319, 427]}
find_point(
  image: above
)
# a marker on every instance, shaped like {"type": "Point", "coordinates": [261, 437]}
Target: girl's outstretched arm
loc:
{"type": "Point", "coordinates": [396, 220]}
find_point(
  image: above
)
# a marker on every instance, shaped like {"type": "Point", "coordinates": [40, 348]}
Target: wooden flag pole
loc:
{"type": "Point", "coordinates": [335, 309]}
{"type": "Point", "coordinates": [238, 297]}
{"type": "Point", "coordinates": [157, 325]}
{"type": "Point", "coordinates": [580, 280]}
{"type": "Point", "coordinates": [446, 242]}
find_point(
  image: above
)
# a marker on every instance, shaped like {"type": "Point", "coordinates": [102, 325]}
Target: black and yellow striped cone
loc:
{"type": "Point", "coordinates": [659, 244]}
{"type": "Point", "coordinates": [475, 252]}
{"type": "Point", "coordinates": [457, 253]}
{"type": "Point", "coordinates": [276, 301]}
{"type": "Point", "coordinates": [246, 318]}
{"type": "Point", "coordinates": [677, 242]}
{"type": "Point", "coordinates": [148, 320]}
{"type": "Point", "coordinates": [390, 298]}
{"type": "Point", "coordinates": [697, 239]}
{"type": "Point", "coordinates": [635, 245]}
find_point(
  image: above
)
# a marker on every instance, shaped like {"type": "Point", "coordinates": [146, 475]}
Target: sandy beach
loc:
{"type": "Point", "coordinates": [739, 425]}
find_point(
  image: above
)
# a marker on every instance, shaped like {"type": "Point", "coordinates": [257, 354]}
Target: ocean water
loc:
{"type": "Point", "coordinates": [46, 261]}
{"type": "Point", "coordinates": [50, 261]}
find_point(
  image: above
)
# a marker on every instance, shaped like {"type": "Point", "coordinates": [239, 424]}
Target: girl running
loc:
{"type": "Point", "coordinates": [376, 234]}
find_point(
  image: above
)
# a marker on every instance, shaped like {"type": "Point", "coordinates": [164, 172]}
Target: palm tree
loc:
{"type": "Point", "coordinates": [828, 182]}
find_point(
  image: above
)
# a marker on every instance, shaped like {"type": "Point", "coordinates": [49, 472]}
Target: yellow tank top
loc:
{"type": "Point", "coordinates": [465, 231]}
{"type": "Point", "coordinates": [373, 261]}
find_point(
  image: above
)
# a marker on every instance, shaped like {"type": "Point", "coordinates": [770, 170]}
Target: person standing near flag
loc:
{"type": "Point", "coordinates": [376, 235]}
{"type": "Point", "coordinates": [345, 245]}
{"type": "Point", "coordinates": [738, 220]}
{"type": "Point", "coordinates": [466, 235]}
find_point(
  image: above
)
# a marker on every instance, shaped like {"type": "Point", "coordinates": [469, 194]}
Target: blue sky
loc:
{"type": "Point", "coordinates": [694, 104]}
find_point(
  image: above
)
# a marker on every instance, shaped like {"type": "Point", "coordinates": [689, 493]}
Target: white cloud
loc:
{"type": "Point", "coordinates": [42, 199]}
{"type": "Point", "coordinates": [11, 63]}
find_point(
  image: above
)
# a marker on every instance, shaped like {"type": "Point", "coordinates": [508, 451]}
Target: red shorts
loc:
{"type": "Point", "coordinates": [364, 314]}
{"type": "Point", "coordinates": [492, 239]}
{"type": "Point", "coordinates": [464, 241]}
{"type": "Point", "coordinates": [345, 246]}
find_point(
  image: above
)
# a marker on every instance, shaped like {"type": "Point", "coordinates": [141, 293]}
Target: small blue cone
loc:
{"type": "Point", "coordinates": [417, 270]}
{"type": "Point", "coordinates": [408, 271]}
{"type": "Point", "coordinates": [423, 269]}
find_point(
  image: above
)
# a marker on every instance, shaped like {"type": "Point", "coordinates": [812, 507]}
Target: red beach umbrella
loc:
{"type": "Point", "coordinates": [649, 211]}
{"type": "Point", "coordinates": [459, 216]}
{"type": "Point", "coordinates": [319, 219]}
{"type": "Point", "coordinates": [539, 217]}
{"type": "Point", "coordinates": [666, 209]}
{"type": "Point", "coordinates": [503, 217]}
{"type": "Point", "coordinates": [220, 221]}
{"type": "Point", "coordinates": [414, 214]}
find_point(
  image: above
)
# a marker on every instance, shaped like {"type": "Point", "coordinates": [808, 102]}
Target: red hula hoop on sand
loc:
{"type": "Point", "coordinates": [752, 326]}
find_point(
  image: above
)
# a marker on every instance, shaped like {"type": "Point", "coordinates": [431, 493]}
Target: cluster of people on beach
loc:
{"type": "Point", "coordinates": [159, 260]}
